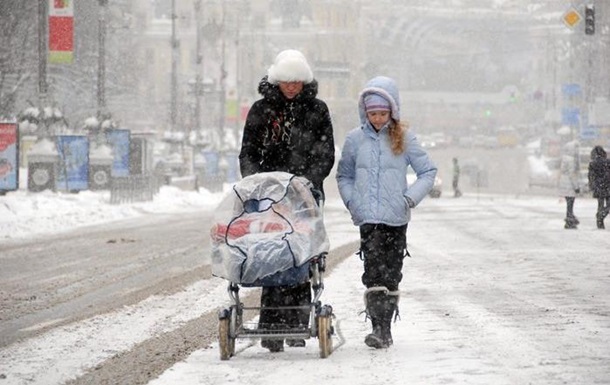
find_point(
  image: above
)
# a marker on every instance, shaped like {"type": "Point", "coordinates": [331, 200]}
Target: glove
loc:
{"type": "Point", "coordinates": [410, 202]}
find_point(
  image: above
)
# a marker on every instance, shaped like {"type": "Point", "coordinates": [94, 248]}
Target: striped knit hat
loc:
{"type": "Point", "coordinates": [375, 102]}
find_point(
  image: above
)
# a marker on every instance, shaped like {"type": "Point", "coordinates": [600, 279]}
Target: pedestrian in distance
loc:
{"type": "Point", "coordinates": [371, 176]}
{"type": "Point", "coordinates": [599, 183]}
{"type": "Point", "coordinates": [289, 129]}
{"type": "Point", "coordinates": [569, 181]}
{"type": "Point", "coordinates": [456, 179]}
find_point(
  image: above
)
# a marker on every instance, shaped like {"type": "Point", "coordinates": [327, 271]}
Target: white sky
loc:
{"type": "Point", "coordinates": [497, 292]}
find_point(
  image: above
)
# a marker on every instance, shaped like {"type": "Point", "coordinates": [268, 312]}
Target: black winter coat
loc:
{"type": "Point", "coordinates": [599, 173]}
{"type": "Point", "coordinates": [294, 136]}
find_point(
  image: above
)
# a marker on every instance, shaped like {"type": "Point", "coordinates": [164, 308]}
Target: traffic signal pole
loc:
{"type": "Point", "coordinates": [42, 51]}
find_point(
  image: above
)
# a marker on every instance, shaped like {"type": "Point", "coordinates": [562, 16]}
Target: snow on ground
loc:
{"type": "Point", "coordinates": [497, 292]}
{"type": "Point", "coordinates": [25, 214]}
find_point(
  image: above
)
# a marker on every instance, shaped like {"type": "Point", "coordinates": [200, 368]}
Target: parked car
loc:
{"type": "Point", "coordinates": [437, 189]}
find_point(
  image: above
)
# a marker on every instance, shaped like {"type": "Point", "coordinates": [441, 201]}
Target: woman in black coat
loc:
{"type": "Point", "coordinates": [599, 182]}
{"type": "Point", "coordinates": [289, 130]}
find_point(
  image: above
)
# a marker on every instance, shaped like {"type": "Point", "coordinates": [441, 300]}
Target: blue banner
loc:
{"type": "Point", "coordinates": [9, 160]}
{"type": "Point", "coordinates": [73, 171]}
{"type": "Point", "coordinates": [119, 140]}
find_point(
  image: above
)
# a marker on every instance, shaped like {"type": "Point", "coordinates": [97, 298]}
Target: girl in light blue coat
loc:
{"type": "Point", "coordinates": [372, 182]}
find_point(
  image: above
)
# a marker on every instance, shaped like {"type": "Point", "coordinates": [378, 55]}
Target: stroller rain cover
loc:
{"type": "Point", "coordinates": [269, 223]}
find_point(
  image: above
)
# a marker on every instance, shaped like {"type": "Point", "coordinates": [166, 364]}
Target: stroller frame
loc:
{"type": "Point", "coordinates": [232, 327]}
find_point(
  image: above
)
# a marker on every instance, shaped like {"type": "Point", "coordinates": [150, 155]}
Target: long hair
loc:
{"type": "Point", "coordinates": [397, 136]}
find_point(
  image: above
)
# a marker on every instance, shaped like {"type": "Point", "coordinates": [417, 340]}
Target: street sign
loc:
{"type": "Point", "coordinates": [570, 116]}
{"type": "Point", "coordinates": [571, 18]}
{"type": "Point", "coordinates": [589, 133]}
{"type": "Point", "coordinates": [571, 89]}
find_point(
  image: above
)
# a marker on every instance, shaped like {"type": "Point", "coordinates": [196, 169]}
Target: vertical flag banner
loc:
{"type": "Point", "coordinates": [9, 161]}
{"type": "Point", "coordinates": [61, 31]}
{"type": "Point", "coordinates": [119, 140]}
{"type": "Point", "coordinates": [73, 173]}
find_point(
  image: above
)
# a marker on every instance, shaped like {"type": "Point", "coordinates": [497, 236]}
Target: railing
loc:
{"type": "Point", "coordinates": [133, 188]}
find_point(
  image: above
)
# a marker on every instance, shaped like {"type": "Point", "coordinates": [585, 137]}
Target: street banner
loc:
{"type": "Point", "coordinates": [61, 31]}
{"type": "Point", "coordinates": [119, 139]}
{"type": "Point", "coordinates": [9, 156]}
{"type": "Point", "coordinates": [73, 171]}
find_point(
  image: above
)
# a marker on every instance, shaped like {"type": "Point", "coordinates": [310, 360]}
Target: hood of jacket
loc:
{"type": "Point", "coordinates": [271, 92]}
{"type": "Point", "coordinates": [382, 86]}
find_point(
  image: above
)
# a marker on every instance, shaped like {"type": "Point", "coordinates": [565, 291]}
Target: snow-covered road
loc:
{"type": "Point", "coordinates": [497, 292]}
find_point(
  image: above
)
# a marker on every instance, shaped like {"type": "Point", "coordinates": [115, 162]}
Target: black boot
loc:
{"type": "Point", "coordinates": [274, 346]}
{"type": "Point", "coordinates": [390, 308]}
{"type": "Point", "coordinates": [375, 339]}
{"type": "Point", "coordinates": [600, 220]}
{"type": "Point", "coordinates": [374, 310]}
{"type": "Point", "coordinates": [571, 223]}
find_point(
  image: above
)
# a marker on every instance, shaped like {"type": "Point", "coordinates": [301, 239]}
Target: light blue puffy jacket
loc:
{"type": "Point", "coordinates": [372, 180]}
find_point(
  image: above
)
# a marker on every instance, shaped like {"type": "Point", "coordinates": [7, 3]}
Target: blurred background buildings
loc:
{"type": "Point", "coordinates": [468, 69]}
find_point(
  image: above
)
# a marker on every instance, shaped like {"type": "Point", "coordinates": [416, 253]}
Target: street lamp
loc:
{"type": "Point", "coordinates": [101, 63]}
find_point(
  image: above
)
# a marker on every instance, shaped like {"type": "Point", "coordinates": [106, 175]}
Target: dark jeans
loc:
{"type": "Point", "coordinates": [383, 249]}
{"type": "Point", "coordinates": [602, 205]}
{"type": "Point", "coordinates": [283, 296]}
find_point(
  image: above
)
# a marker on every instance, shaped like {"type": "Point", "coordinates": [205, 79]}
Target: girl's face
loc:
{"type": "Point", "coordinates": [378, 118]}
{"type": "Point", "coordinates": [291, 89]}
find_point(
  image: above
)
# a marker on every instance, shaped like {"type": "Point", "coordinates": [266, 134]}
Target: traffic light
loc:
{"type": "Point", "coordinates": [590, 19]}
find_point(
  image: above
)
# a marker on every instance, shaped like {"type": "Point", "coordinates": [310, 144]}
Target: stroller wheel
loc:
{"type": "Point", "coordinates": [325, 331]}
{"type": "Point", "coordinates": [225, 341]}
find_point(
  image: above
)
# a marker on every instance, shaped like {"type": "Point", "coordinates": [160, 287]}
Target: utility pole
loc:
{"type": "Point", "coordinates": [42, 51]}
{"type": "Point", "coordinates": [223, 75]}
{"type": "Point", "coordinates": [174, 74]}
{"type": "Point", "coordinates": [199, 63]}
{"type": "Point", "coordinates": [101, 60]}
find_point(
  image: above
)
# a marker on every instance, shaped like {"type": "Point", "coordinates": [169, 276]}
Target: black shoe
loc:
{"type": "Point", "coordinates": [274, 346]}
{"type": "Point", "coordinates": [296, 343]}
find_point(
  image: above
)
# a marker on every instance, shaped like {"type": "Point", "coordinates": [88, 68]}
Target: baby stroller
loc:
{"type": "Point", "coordinates": [270, 232]}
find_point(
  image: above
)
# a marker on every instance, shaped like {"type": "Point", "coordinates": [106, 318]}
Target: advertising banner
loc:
{"type": "Point", "coordinates": [73, 172]}
{"type": "Point", "coordinates": [119, 140]}
{"type": "Point", "coordinates": [9, 156]}
{"type": "Point", "coordinates": [61, 31]}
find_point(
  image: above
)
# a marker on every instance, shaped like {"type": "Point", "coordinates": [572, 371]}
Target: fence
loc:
{"type": "Point", "coordinates": [133, 188]}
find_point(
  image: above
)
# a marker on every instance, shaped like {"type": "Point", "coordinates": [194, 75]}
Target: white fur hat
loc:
{"type": "Point", "coordinates": [290, 66]}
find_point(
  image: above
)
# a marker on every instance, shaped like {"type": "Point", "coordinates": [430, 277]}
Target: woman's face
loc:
{"type": "Point", "coordinates": [291, 89]}
{"type": "Point", "coordinates": [378, 118]}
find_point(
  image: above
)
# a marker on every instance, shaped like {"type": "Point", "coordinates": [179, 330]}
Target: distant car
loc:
{"type": "Point", "coordinates": [437, 189]}
{"type": "Point", "coordinates": [427, 142]}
